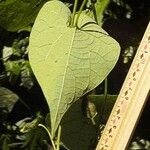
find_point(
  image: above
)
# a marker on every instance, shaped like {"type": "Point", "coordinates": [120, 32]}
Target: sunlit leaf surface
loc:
{"type": "Point", "coordinates": [68, 62]}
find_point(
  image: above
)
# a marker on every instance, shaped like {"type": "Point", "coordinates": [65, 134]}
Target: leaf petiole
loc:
{"type": "Point", "coordinates": [74, 12]}
{"type": "Point", "coordinates": [105, 98]}
{"type": "Point", "coordinates": [94, 13]}
{"type": "Point", "coordinates": [58, 138]}
{"type": "Point", "coordinates": [51, 139]}
{"type": "Point", "coordinates": [80, 11]}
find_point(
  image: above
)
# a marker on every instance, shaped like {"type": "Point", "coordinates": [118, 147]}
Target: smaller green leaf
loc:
{"type": "Point", "coordinates": [100, 7]}
{"type": "Point", "coordinates": [100, 103]}
{"type": "Point", "coordinates": [26, 75]}
{"type": "Point", "coordinates": [98, 13]}
{"type": "Point", "coordinates": [13, 67]}
{"type": "Point", "coordinates": [7, 98]}
{"type": "Point", "coordinates": [78, 132]}
{"type": "Point", "coordinates": [19, 14]}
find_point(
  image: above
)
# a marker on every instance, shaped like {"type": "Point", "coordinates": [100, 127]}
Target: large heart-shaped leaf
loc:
{"type": "Point", "coordinates": [68, 61]}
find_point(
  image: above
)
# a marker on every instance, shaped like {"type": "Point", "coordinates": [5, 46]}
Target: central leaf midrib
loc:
{"type": "Point", "coordinates": [64, 76]}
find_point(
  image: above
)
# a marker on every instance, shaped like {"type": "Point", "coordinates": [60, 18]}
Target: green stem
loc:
{"type": "Point", "coordinates": [80, 11]}
{"type": "Point", "coordinates": [106, 87]}
{"type": "Point", "coordinates": [95, 14]}
{"type": "Point", "coordinates": [58, 138]}
{"type": "Point", "coordinates": [105, 97]}
{"type": "Point", "coordinates": [74, 12]}
{"type": "Point", "coordinates": [105, 94]}
{"type": "Point", "coordinates": [53, 144]}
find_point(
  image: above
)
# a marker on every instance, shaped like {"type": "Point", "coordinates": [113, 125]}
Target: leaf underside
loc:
{"type": "Point", "coordinates": [68, 62]}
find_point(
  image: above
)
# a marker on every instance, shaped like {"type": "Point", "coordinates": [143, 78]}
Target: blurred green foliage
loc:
{"type": "Point", "coordinates": [19, 14]}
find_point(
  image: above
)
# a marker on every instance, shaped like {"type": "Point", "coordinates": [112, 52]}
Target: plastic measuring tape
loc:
{"type": "Point", "coordinates": [130, 101]}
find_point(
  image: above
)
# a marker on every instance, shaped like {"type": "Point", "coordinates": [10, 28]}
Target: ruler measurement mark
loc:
{"type": "Point", "coordinates": [127, 92]}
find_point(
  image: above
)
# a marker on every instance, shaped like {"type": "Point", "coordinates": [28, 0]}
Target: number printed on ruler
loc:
{"type": "Point", "coordinates": [128, 90]}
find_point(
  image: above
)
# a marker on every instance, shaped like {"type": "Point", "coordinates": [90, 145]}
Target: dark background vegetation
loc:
{"type": "Point", "coordinates": [124, 20]}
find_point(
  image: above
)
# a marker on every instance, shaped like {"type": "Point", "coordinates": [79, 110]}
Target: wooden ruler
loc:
{"type": "Point", "coordinates": [130, 101]}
